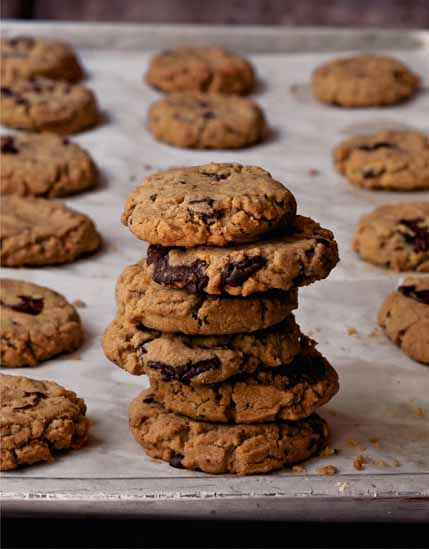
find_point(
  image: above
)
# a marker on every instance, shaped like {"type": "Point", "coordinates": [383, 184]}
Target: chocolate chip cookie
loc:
{"type": "Point", "coordinates": [219, 448]}
{"type": "Point", "coordinates": [140, 299]}
{"type": "Point", "coordinates": [299, 255]}
{"type": "Point", "coordinates": [404, 316]}
{"type": "Point", "coordinates": [289, 392]}
{"type": "Point", "coordinates": [213, 70]}
{"type": "Point", "coordinates": [36, 323]}
{"type": "Point", "coordinates": [39, 232]}
{"type": "Point", "coordinates": [390, 159]}
{"type": "Point", "coordinates": [364, 81]}
{"type": "Point", "coordinates": [206, 121]}
{"type": "Point", "coordinates": [24, 57]}
{"type": "Point", "coordinates": [44, 165]}
{"type": "Point", "coordinates": [395, 236]}
{"type": "Point", "coordinates": [215, 204]}
{"type": "Point", "coordinates": [39, 419]}
{"type": "Point", "coordinates": [42, 104]}
{"type": "Point", "coordinates": [199, 360]}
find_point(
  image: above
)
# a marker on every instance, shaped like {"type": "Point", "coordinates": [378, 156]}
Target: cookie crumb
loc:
{"type": "Point", "coordinates": [375, 333]}
{"type": "Point", "coordinates": [352, 331]}
{"type": "Point", "coordinates": [299, 469]}
{"type": "Point", "coordinates": [76, 357]}
{"type": "Point", "coordinates": [147, 166]}
{"type": "Point", "coordinates": [327, 470]}
{"type": "Point", "coordinates": [419, 412]}
{"type": "Point", "coordinates": [374, 441]}
{"type": "Point", "coordinates": [359, 461]}
{"type": "Point", "coordinates": [351, 442]}
{"type": "Point", "coordinates": [313, 172]}
{"type": "Point", "coordinates": [79, 303]}
{"type": "Point", "coordinates": [327, 452]}
{"type": "Point", "coordinates": [381, 463]}
{"type": "Point", "coordinates": [396, 463]}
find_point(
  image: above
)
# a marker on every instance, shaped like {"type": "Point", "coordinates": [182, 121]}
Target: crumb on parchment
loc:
{"type": "Point", "coordinates": [79, 303]}
{"type": "Point", "coordinates": [342, 486]}
{"type": "Point", "coordinates": [328, 452]}
{"type": "Point", "coordinates": [352, 331]}
{"type": "Point", "coordinates": [419, 412]}
{"type": "Point", "coordinates": [299, 469]}
{"type": "Point", "coordinates": [359, 461]}
{"type": "Point", "coordinates": [327, 470]}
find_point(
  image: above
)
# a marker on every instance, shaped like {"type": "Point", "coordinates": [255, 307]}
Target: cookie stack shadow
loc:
{"type": "Point", "coordinates": [208, 317]}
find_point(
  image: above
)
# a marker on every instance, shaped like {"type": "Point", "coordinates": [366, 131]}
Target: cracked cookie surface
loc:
{"type": "Point", "coordinates": [289, 392]}
{"type": "Point", "coordinates": [214, 204]}
{"type": "Point", "coordinates": [140, 299]}
{"type": "Point", "coordinates": [42, 104]}
{"type": "Point", "coordinates": [218, 448]}
{"type": "Point", "coordinates": [388, 159]}
{"type": "Point", "coordinates": [25, 57]}
{"type": "Point", "coordinates": [404, 317]}
{"type": "Point", "coordinates": [44, 165]}
{"type": "Point", "coordinates": [199, 360]}
{"type": "Point", "coordinates": [36, 323]}
{"type": "Point", "coordinates": [37, 232]}
{"type": "Point", "coordinates": [206, 121]}
{"type": "Point", "coordinates": [213, 70]}
{"type": "Point", "coordinates": [38, 420]}
{"type": "Point", "coordinates": [300, 255]}
{"type": "Point", "coordinates": [395, 236]}
{"type": "Point", "coordinates": [363, 81]}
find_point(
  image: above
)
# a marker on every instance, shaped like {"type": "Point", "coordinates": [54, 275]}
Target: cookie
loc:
{"type": "Point", "coordinates": [395, 160]}
{"type": "Point", "coordinates": [395, 236]}
{"type": "Point", "coordinates": [36, 323]}
{"type": "Point", "coordinates": [199, 360]}
{"type": "Point", "coordinates": [289, 392]}
{"type": "Point", "coordinates": [404, 317]}
{"type": "Point", "coordinates": [299, 255]}
{"type": "Point", "coordinates": [25, 57]}
{"type": "Point", "coordinates": [363, 81]}
{"type": "Point", "coordinates": [39, 419]}
{"type": "Point", "coordinates": [140, 299]}
{"type": "Point", "coordinates": [215, 204]}
{"type": "Point", "coordinates": [219, 448]}
{"type": "Point", "coordinates": [42, 104]}
{"type": "Point", "coordinates": [44, 165]}
{"type": "Point", "coordinates": [206, 121]}
{"type": "Point", "coordinates": [39, 232]}
{"type": "Point", "coordinates": [213, 70]}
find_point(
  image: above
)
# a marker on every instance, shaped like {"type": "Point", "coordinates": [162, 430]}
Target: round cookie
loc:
{"type": "Point", "coordinates": [395, 236]}
{"type": "Point", "coordinates": [213, 70]}
{"type": "Point", "coordinates": [25, 57]}
{"type": "Point", "coordinates": [204, 121]}
{"type": "Point", "coordinates": [363, 81]}
{"type": "Point", "coordinates": [215, 204]}
{"type": "Point", "coordinates": [290, 392]}
{"type": "Point", "coordinates": [404, 317]}
{"type": "Point", "coordinates": [44, 165]}
{"type": "Point", "coordinates": [394, 160]}
{"type": "Point", "coordinates": [140, 299]}
{"type": "Point", "coordinates": [199, 360]}
{"type": "Point", "coordinates": [39, 232]}
{"type": "Point", "coordinates": [300, 255]}
{"type": "Point", "coordinates": [38, 420]}
{"type": "Point", "coordinates": [36, 323]}
{"type": "Point", "coordinates": [43, 104]}
{"type": "Point", "coordinates": [219, 448]}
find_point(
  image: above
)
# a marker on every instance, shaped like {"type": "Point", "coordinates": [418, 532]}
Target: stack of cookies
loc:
{"type": "Point", "coordinates": [234, 384]}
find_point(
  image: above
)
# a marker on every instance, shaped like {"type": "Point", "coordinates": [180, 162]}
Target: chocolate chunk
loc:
{"type": "Point", "coordinates": [7, 92]}
{"type": "Point", "coordinates": [305, 367]}
{"type": "Point", "coordinates": [149, 400]}
{"type": "Point", "coordinates": [216, 176]}
{"type": "Point", "coordinates": [207, 218]}
{"type": "Point", "coordinates": [66, 141]}
{"type": "Point", "coordinates": [413, 293]}
{"type": "Point", "coordinates": [29, 305]}
{"type": "Point", "coordinates": [208, 201]}
{"type": "Point", "coordinates": [376, 146]}
{"type": "Point", "coordinates": [237, 272]}
{"type": "Point", "coordinates": [186, 372]}
{"type": "Point", "coordinates": [191, 277]}
{"type": "Point", "coordinates": [417, 235]}
{"type": "Point", "coordinates": [8, 145]}
{"type": "Point", "coordinates": [153, 197]}
{"type": "Point", "coordinates": [369, 173]}
{"type": "Point", "coordinates": [26, 41]}
{"type": "Point", "coordinates": [208, 115]}
{"type": "Point", "coordinates": [176, 461]}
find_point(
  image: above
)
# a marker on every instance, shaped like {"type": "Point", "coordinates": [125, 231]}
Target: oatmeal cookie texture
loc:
{"type": "Point", "coordinates": [390, 159]}
{"type": "Point", "coordinates": [215, 204]}
{"type": "Point", "coordinates": [38, 419]}
{"type": "Point", "coordinates": [44, 165]}
{"type": "Point", "coordinates": [404, 317]}
{"type": "Point", "coordinates": [38, 232]}
{"type": "Point", "coordinates": [219, 448]}
{"type": "Point", "coordinates": [36, 323]}
{"type": "Point", "coordinates": [395, 236]}
{"type": "Point", "coordinates": [213, 70]}
{"type": "Point", "coordinates": [364, 81]}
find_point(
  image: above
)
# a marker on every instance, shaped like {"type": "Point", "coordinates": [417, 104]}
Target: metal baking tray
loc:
{"type": "Point", "coordinates": [381, 389]}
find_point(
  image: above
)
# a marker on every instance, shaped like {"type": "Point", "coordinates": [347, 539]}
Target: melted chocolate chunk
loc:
{"type": "Point", "coordinates": [149, 400]}
{"type": "Point", "coordinates": [216, 176]}
{"type": "Point", "coordinates": [413, 293]}
{"type": "Point", "coordinates": [305, 367]}
{"type": "Point", "coordinates": [176, 461]}
{"type": "Point", "coordinates": [418, 234]}
{"type": "Point", "coordinates": [191, 277]}
{"type": "Point", "coordinates": [207, 218]}
{"type": "Point", "coordinates": [29, 305]}
{"type": "Point", "coordinates": [153, 197]}
{"type": "Point", "coordinates": [186, 372]}
{"type": "Point", "coordinates": [376, 146]}
{"type": "Point", "coordinates": [369, 173]}
{"type": "Point", "coordinates": [237, 272]}
{"type": "Point", "coordinates": [7, 92]}
{"type": "Point", "coordinates": [8, 145]}
{"type": "Point", "coordinates": [208, 201]}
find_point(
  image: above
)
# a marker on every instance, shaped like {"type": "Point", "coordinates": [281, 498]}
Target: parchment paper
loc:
{"type": "Point", "coordinates": [381, 388]}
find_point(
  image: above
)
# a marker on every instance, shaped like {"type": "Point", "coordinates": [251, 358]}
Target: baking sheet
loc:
{"type": "Point", "coordinates": [381, 389]}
